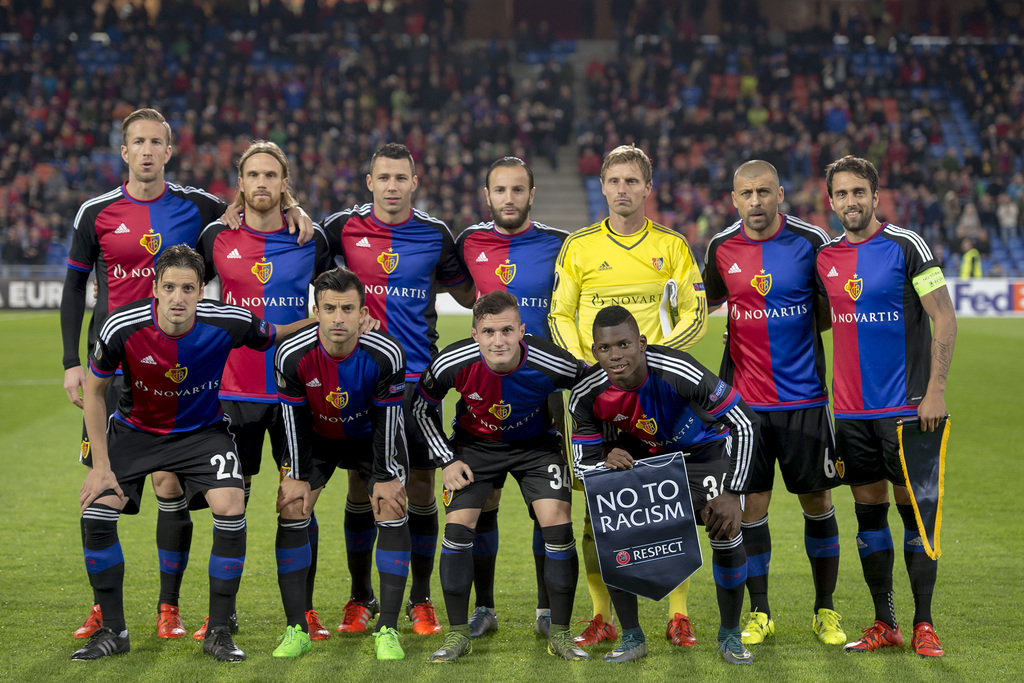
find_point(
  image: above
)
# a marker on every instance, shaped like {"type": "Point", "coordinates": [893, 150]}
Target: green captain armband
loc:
{"type": "Point", "coordinates": [929, 281]}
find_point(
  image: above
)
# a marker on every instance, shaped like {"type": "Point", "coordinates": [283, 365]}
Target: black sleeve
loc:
{"type": "Point", "coordinates": [72, 311]}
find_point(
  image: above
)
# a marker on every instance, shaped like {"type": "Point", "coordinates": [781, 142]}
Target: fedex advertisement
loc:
{"type": "Point", "coordinates": [986, 297]}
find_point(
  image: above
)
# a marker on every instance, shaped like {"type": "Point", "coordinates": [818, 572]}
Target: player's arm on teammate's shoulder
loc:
{"type": "Point", "coordinates": [100, 477]}
{"type": "Point", "coordinates": [939, 307]}
{"type": "Point", "coordinates": [285, 331]}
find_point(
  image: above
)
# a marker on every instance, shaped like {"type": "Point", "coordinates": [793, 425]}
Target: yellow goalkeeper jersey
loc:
{"type": "Point", "coordinates": [598, 267]}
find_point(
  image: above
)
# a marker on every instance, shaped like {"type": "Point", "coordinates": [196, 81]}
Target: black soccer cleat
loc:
{"type": "Point", "coordinates": [102, 643]}
{"type": "Point", "coordinates": [219, 644]}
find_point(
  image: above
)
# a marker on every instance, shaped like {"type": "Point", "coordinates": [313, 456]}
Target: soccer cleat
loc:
{"type": "Point", "coordinates": [562, 645]}
{"type": "Point", "coordinates": [629, 649]}
{"type": "Point", "coordinates": [219, 644]}
{"type": "Point", "coordinates": [543, 624]}
{"type": "Point", "coordinates": [232, 624]}
{"type": "Point", "coordinates": [423, 618]}
{"type": "Point", "coordinates": [481, 621]}
{"type": "Point", "coordinates": [758, 627]}
{"type": "Point", "coordinates": [103, 642]}
{"type": "Point", "coordinates": [597, 631]}
{"type": "Point", "coordinates": [387, 645]}
{"type": "Point", "coordinates": [294, 643]}
{"type": "Point", "coordinates": [733, 651]}
{"type": "Point", "coordinates": [454, 646]}
{"type": "Point", "coordinates": [826, 626]}
{"type": "Point", "coordinates": [358, 615]}
{"type": "Point", "coordinates": [925, 642]}
{"type": "Point", "coordinates": [316, 628]}
{"type": "Point", "coordinates": [92, 623]}
{"type": "Point", "coordinates": [876, 636]}
{"type": "Point", "coordinates": [680, 631]}
{"type": "Point", "coordinates": [168, 624]}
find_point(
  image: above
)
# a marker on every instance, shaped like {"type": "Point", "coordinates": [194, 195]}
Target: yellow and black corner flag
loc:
{"type": "Point", "coordinates": [923, 457]}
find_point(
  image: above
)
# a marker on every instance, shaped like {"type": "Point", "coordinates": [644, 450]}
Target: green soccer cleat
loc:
{"type": "Point", "coordinates": [387, 644]}
{"type": "Point", "coordinates": [826, 626]}
{"type": "Point", "coordinates": [481, 621]}
{"type": "Point", "coordinates": [454, 646]}
{"type": "Point", "coordinates": [294, 643]}
{"type": "Point", "coordinates": [628, 650]}
{"type": "Point", "coordinates": [562, 645]}
{"type": "Point", "coordinates": [758, 627]}
{"type": "Point", "coordinates": [734, 651]}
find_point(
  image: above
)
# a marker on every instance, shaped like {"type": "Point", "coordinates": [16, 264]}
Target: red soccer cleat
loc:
{"type": "Point", "coordinates": [925, 642]}
{"type": "Point", "coordinates": [423, 618]}
{"type": "Point", "coordinates": [201, 633]}
{"type": "Point", "coordinates": [168, 624]}
{"type": "Point", "coordinates": [316, 629]}
{"type": "Point", "coordinates": [93, 623]}
{"type": "Point", "coordinates": [358, 615]}
{"type": "Point", "coordinates": [597, 631]}
{"type": "Point", "coordinates": [680, 631]}
{"type": "Point", "coordinates": [877, 636]}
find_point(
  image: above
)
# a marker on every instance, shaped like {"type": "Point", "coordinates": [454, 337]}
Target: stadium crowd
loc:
{"type": "Point", "coordinates": [801, 100]}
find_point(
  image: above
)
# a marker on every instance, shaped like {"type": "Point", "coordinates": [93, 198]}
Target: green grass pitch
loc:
{"type": "Point", "coordinates": [44, 592]}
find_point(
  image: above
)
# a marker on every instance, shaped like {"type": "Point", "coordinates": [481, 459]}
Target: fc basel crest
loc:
{"type": "Point", "coordinates": [854, 286]}
{"type": "Point", "coordinates": [648, 425]}
{"type": "Point", "coordinates": [388, 261]}
{"type": "Point", "coordinates": [446, 496]}
{"type": "Point", "coordinates": [762, 283]}
{"type": "Point", "coordinates": [151, 242]}
{"type": "Point", "coordinates": [840, 467]}
{"type": "Point", "coordinates": [500, 410]}
{"type": "Point", "coordinates": [338, 398]}
{"type": "Point", "coordinates": [505, 272]}
{"type": "Point", "coordinates": [177, 374]}
{"type": "Point", "coordinates": [262, 270]}
{"type": "Point", "coordinates": [658, 262]}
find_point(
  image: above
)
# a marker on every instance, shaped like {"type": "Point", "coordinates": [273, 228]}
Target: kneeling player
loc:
{"type": "Point", "coordinates": [502, 427]}
{"type": "Point", "coordinates": [663, 400]}
{"type": "Point", "coordinates": [341, 394]}
{"type": "Point", "coordinates": [172, 349]}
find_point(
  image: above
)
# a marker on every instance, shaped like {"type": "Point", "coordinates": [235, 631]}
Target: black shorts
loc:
{"type": "Point", "coordinates": [249, 422]}
{"type": "Point", "coordinates": [113, 395]}
{"type": "Point", "coordinates": [803, 443]}
{"type": "Point", "coordinates": [330, 455]}
{"type": "Point", "coordinates": [419, 451]}
{"type": "Point", "coordinates": [203, 459]}
{"type": "Point", "coordinates": [868, 451]}
{"type": "Point", "coordinates": [537, 464]}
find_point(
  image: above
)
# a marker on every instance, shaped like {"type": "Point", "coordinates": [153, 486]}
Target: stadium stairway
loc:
{"type": "Point", "coordinates": [560, 200]}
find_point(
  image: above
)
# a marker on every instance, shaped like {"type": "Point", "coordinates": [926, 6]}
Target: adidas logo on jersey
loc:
{"type": "Point", "coordinates": [735, 269]}
{"type": "Point", "coordinates": [619, 418]}
{"type": "Point", "coordinates": [122, 230]}
{"type": "Point", "coordinates": [482, 258]}
{"type": "Point", "coordinates": [315, 382]}
{"type": "Point", "coordinates": [363, 243]}
{"type": "Point", "coordinates": [833, 273]}
{"type": "Point", "coordinates": [604, 266]}
{"type": "Point", "coordinates": [148, 360]}
{"type": "Point", "coordinates": [234, 254]}
{"type": "Point", "coordinates": [475, 397]}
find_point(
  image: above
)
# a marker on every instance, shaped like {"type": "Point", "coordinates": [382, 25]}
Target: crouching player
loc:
{"type": "Point", "coordinates": [663, 400]}
{"type": "Point", "coordinates": [172, 349]}
{"type": "Point", "coordinates": [341, 394]}
{"type": "Point", "coordinates": [502, 426]}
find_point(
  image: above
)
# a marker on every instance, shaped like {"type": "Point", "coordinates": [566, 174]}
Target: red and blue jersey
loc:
{"type": "Point", "coordinates": [493, 406]}
{"type": "Point", "coordinates": [401, 266]}
{"type": "Point", "coordinates": [680, 404]}
{"type": "Point", "coordinates": [171, 383]}
{"type": "Point", "coordinates": [268, 273]}
{"type": "Point", "coordinates": [122, 237]}
{"type": "Point", "coordinates": [881, 334]}
{"type": "Point", "coordinates": [355, 397]}
{"type": "Point", "coordinates": [774, 355]}
{"type": "Point", "coordinates": [522, 265]}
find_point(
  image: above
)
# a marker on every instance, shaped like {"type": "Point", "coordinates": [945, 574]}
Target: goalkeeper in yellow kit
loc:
{"type": "Point", "coordinates": [630, 261]}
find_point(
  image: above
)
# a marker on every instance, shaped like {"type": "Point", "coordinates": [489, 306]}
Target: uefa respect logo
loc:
{"type": "Point", "coordinates": [625, 557]}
